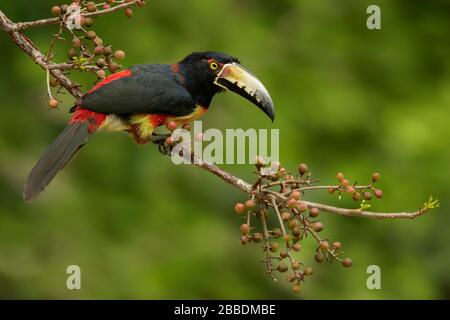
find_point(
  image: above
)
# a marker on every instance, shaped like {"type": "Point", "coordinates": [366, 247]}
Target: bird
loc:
{"type": "Point", "coordinates": [143, 97]}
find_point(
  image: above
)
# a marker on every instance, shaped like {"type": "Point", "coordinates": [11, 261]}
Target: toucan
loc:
{"type": "Point", "coordinates": [143, 97]}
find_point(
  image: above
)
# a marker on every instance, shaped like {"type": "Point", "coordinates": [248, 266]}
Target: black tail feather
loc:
{"type": "Point", "coordinates": [55, 158]}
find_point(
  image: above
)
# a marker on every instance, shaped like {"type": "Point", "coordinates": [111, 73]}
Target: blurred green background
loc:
{"type": "Point", "coordinates": [348, 99]}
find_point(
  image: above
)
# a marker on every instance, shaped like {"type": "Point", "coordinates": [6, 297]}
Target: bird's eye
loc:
{"type": "Point", "coordinates": [213, 65]}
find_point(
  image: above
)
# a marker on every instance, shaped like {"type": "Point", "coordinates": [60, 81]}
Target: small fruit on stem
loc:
{"type": "Point", "coordinates": [239, 208]}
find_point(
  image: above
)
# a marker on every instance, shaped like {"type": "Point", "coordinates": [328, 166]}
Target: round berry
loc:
{"type": "Point", "coordinates": [113, 67]}
{"type": "Point", "coordinates": [53, 103]}
{"type": "Point", "coordinates": [76, 42]}
{"type": "Point", "coordinates": [339, 176]}
{"type": "Point", "coordinates": [187, 126]}
{"type": "Point", "coordinates": [367, 195]}
{"type": "Point", "coordinates": [239, 208]}
{"type": "Point", "coordinates": [302, 169]}
{"type": "Point", "coordinates": [297, 247]}
{"type": "Point", "coordinates": [308, 271]}
{"type": "Point", "coordinates": [128, 12]}
{"type": "Point", "coordinates": [250, 203]}
{"type": "Point", "coordinates": [285, 215]}
{"type": "Point", "coordinates": [324, 245]}
{"type": "Point", "coordinates": [375, 176]}
{"type": "Point", "coordinates": [295, 194]}
{"type": "Point", "coordinates": [336, 245]}
{"type": "Point", "coordinates": [331, 189]}
{"type": "Point", "coordinates": [171, 125]}
{"type": "Point", "coordinates": [295, 265]}
{"type": "Point", "coordinates": [257, 237]}
{"type": "Point", "coordinates": [350, 189]}
{"type": "Point", "coordinates": [296, 232]}
{"type": "Point", "coordinates": [244, 228]}
{"type": "Point", "coordinates": [378, 193]}
{"type": "Point", "coordinates": [356, 196]}
{"type": "Point", "coordinates": [302, 206]}
{"type": "Point", "coordinates": [56, 10]}
{"type": "Point", "coordinates": [291, 203]}
{"type": "Point", "coordinates": [296, 288]}
{"type": "Point", "coordinates": [347, 262]}
{"type": "Point", "coordinates": [101, 74]}
{"type": "Point", "coordinates": [345, 182]}
{"type": "Point", "coordinates": [282, 267]}
{"type": "Point", "coordinates": [283, 254]}
{"type": "Point", "coordinates": [274, 247]}
{"type": "Point", "coordinates": [314, 212]}
{"type": "Point", "coordinates": [91, 7]}
{"type": "Point", "coordinates": [319, 257]}
{"type": "Point", "coordinates": [91, 34]}
{"type": "Point", "coordinates": [119, 55]}
{"type": "Point", "coordinates": [317, 226]}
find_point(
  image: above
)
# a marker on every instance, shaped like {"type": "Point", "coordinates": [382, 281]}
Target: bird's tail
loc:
{"type": "Point", "coordinates": [61, 151]}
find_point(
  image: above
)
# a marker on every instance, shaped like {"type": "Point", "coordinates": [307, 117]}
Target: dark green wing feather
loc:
{"type": "Point", "coordinates": [150, 89]}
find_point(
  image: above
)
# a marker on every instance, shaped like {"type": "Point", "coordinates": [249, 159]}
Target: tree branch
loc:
{"type": "Point", "coordinates": [19, 26]}
{"type": "Point", "coordinates": [246, 187]}
{"type": "Point", "coordinates": [27, 46]}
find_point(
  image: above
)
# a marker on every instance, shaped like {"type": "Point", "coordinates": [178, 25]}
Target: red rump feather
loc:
{"type": "Point", "coordinates": [111, 78]}
{"type": "Point", "coordinates": [82, 115]}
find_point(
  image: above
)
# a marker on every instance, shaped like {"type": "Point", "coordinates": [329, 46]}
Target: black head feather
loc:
{"type": "Point", "coordinates": [199, 77]}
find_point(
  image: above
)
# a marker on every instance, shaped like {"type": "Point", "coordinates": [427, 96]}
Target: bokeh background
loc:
{"type": "Point", "coordinates": [348, 99]}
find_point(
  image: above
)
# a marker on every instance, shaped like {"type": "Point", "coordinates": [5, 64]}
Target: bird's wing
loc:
{"type": "Point", "coordinates": [142, 89]}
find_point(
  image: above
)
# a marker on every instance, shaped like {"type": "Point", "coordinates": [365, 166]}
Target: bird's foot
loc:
{"type": "Point", "coordinates": [160, 140]}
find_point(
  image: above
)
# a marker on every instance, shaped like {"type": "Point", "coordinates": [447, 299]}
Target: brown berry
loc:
{"type": "Point", "coordinates": [88, 22]}
{"type": "Point", "coordinates": [257, 237]}
{"type": "Point", "coordinates": [282, 267]}
{"type": "Point", "coordinates": [378, 193]}
{"type": "Point", "coordinates": [106, 6]}
{"type": "Point", "coordinates": [367, 195]}
{"type": "Point", "coordinates": [347, 262]}
{"type": "Point", "coordinates": [56, 10]}
{"type": "Point", "coordinates": [244, 228]}
{"type": "Point", "coordinates": [308, 271]}
{"type": "Point", "coordinates": [350, 189]}
{"type": "Point", "coordinates": [291, 203]}
{"type": "Point", "coordinates": [375, 176]}
{"type": "Point", "coordinates": [296, 288]}
{"type": "Point", "coordinates": [239, 208]}
{"type": "Point", "coordinates": [297, 247]}
{"type": "Point", "coordinates": [91, 34]}
{"type": "Point", "coordinates": [324, 245]}
{"type": "Point", "coordinates": [331, 189]}
{"type": "Point", "coordinates": [297, 232]}
{"type": "Point", "coordinates": [71, 53]}
{"type": "Point", "coordinates": [128, 12]}
{"type": "Point", "coordinates": [113, 67]}
{"type": "Point", "coordinates": [98, 50]}
{"type": "Point", "coordinates": [345, 182]}
{"type": "Point", "coordinates": [285, 216]}
{"type": "Point", "coordinates": [339, 176]}
{"type": "Point", "coordinates": [302, 206]}
{"type": "Point", "coordinates": [100, 63]}
{"type": "Point", "coordinates": [171, 125]}
{"type": "Point", "coordinates": [295, 194]}
{"type": "Point", "coordinates": [101, 74]}
{"type": "Point", "coordinates": [186, 126]}
{"type": "Point", "coordinates": [53, 103]}
{"type": "Point", "coordinates": [119, 55]}
{"type": "Point", "coordinates": [244, 240]}
{"type": "Point", "coordinates": [250, 203]}
{"type": "Point", "coordinates": [356, 196]}
{"type": "Point", "coordinates": [107, 51]}
{"type": "Point", "coordinates": [295, 265]}
{"type": "Point", "coordinates": [336, 245]}
{"type": "Point", "coordinates": [76, 42]}
{"type": "Point", "coordinates": [302, 169]}
{"type": "Point", "coordinates": [170, 141]}
{"type": "Point", "coordinates": [140, 3]}
{"type": "Point", "coordinates": [317, 226]}
{"type": "Point", "coordinates": [319, 257]}
{"type": "Point", "coordinates": [283, 254]}
{"type": "Point", "coordinates": [91, 7]}
{"type": "Point", "coordinates": [274, 247]}
{"type": "Point", "coordinates": [314, 212]}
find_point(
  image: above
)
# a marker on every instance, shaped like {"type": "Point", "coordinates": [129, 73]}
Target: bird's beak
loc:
{"type": "Point", "coordinates": [236, 78]}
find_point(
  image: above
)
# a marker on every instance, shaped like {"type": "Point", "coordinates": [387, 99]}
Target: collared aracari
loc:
{"type": "Point", "coordinates": [143, 97]}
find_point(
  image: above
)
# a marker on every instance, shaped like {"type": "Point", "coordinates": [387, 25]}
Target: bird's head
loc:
{"type": "Point", "coordinates": [207, 73]}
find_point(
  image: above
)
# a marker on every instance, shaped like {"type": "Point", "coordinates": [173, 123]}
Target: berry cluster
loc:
{"type": "Point", "coordinates": [282, 194]}
{"type": "Point", "coordinates": [88, 51]}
